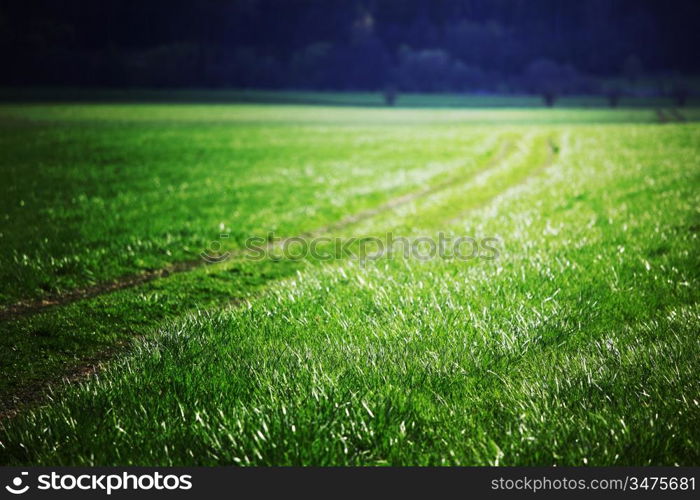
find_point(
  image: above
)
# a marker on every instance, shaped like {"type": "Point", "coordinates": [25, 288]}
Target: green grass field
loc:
{"type": "Point", "coordinates": [577, 345]}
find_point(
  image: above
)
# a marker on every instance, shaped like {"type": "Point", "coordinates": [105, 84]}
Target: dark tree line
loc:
{"type": "Point", "coordinates": [548, 46]}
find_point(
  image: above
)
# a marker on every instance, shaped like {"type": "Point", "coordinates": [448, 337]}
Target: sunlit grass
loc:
{"type": "Point", "coordinates": [578, 345]}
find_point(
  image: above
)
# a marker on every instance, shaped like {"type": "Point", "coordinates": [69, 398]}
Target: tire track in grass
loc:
{"type": "Point", "coordinates": [37, 392]}
{"type": "Point", "coordinates": [552, 152]}
{"type": "Point", "coordinates": [535, 155]}
{"type": "Point", "coordinates": [504, 150]}
{"type": "Point", "coordinates": [33, 395]}
{"type": "Point", "coordinates": [28, 307]}
{"type": "Point", "coordinates": [72, 343]}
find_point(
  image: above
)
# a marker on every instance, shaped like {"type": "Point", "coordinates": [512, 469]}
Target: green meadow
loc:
{"type": "Point", "coordinates": [137, 327]}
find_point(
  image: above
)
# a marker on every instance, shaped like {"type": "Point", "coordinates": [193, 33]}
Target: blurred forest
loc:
{"type": "Point", "coordinates": [505, 46]}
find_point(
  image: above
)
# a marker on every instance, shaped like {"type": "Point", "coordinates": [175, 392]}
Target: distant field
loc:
{"type": "Point", "coordinates": [576, 345]}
